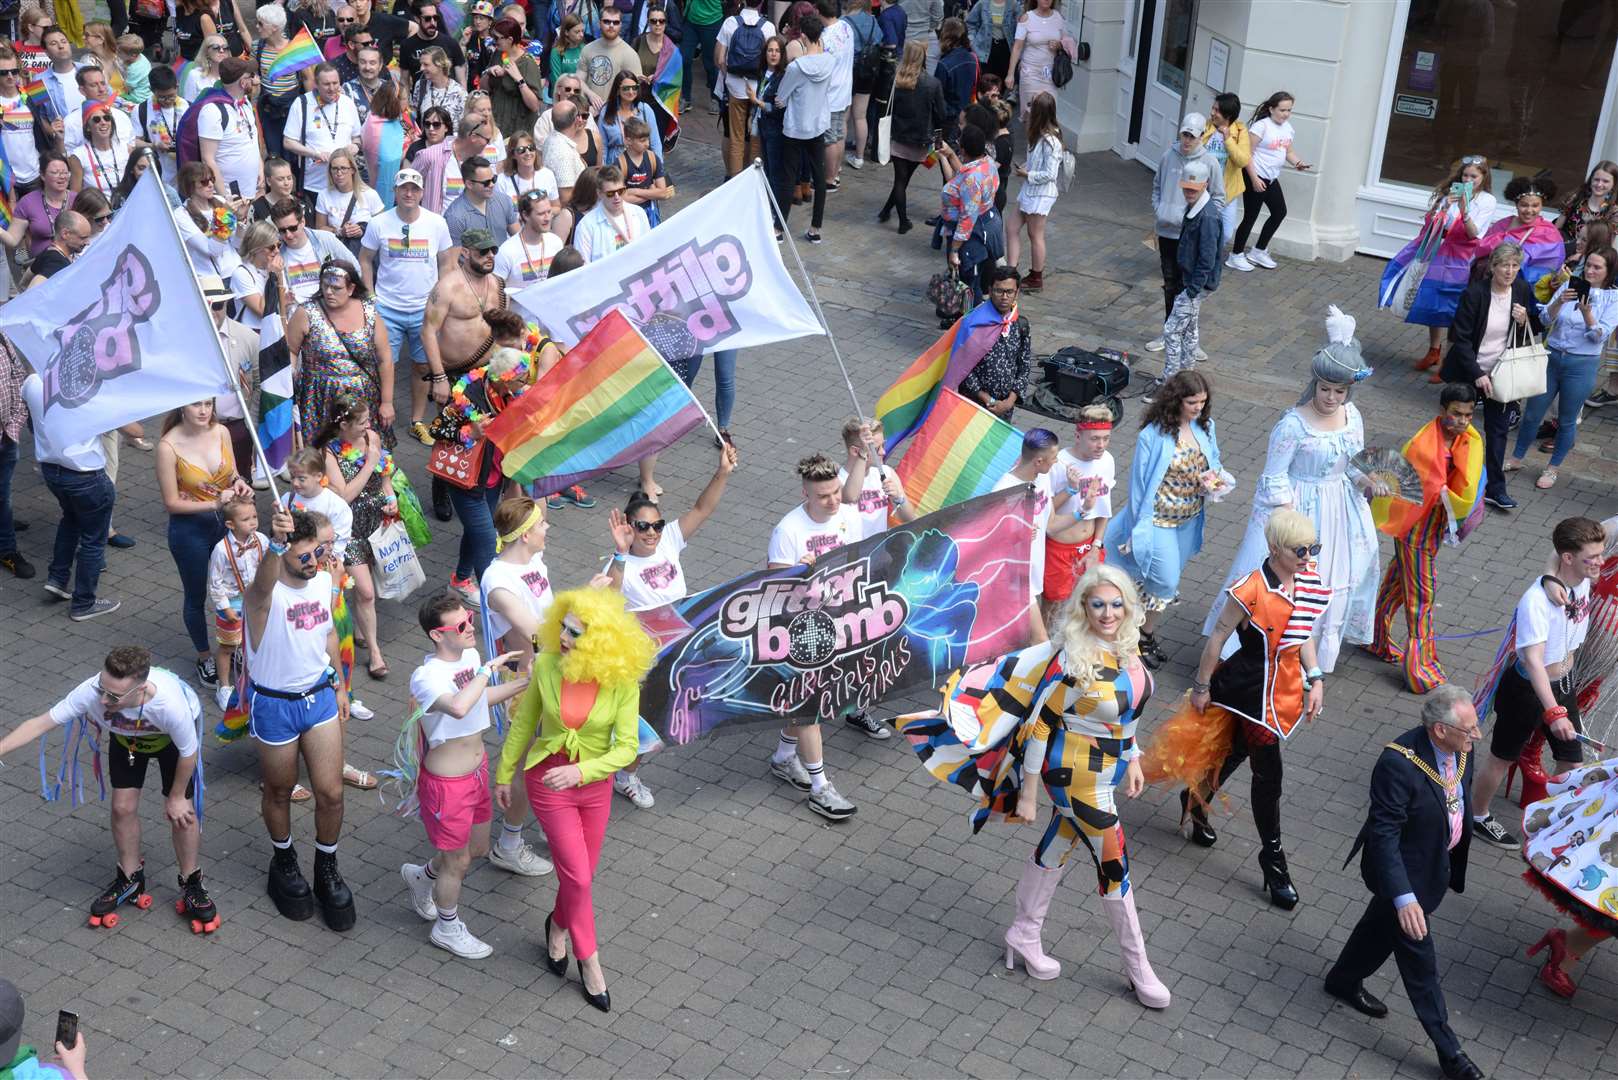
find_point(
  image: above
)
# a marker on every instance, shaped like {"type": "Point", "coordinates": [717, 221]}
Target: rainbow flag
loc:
{"type": "Point", "coordinates": [453, 15]}
{"type": "Point", "coordinates": [36, 94]}
{"type": "Point", "coordinates": [1450, 469]}
{"type": "Point", "coordinates": [300, 52]}
{"type": "Point", "coordinates": [666, 79]}
{"type": "Point", "coordinates": [904, 406]}
{"type": "Point", "coordinates": [609, 402]}
{"type": "Point", "coordinates": [960, 452]}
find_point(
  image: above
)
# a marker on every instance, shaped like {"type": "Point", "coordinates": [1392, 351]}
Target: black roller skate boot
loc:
{"type": "Point", "coordinates": [195, 904]}
{"type": "Point", "coordinates": [288, 888]}
{"type": "Point", "coordinates": [336, 901]}
{"type": "Point", "coordinates": [125, 889]}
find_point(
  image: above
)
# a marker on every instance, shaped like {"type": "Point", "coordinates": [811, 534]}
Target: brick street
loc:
{"type": "Point", "coordinates": [742, 935]}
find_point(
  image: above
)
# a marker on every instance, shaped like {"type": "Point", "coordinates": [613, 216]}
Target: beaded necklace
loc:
{"type": "Point", "coordinates": [350, 454]}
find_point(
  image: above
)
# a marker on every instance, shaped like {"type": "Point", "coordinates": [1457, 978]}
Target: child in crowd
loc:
{"type": "Point", "coordinates": [1082, 506]}
{"type": "Point", "coordinates": [867, 483]}
{"type": "Point", "coordinates": [136, 68]}
{"type": "Point", "coordinates": [232, 565]}
{"type": "Point", "coordinates": [645, 183]}
{"type": "Point", "coordinates": [307, 469]}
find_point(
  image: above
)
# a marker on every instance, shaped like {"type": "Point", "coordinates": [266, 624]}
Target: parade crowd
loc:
{"type": "Point", "coordinates": [367, 188]}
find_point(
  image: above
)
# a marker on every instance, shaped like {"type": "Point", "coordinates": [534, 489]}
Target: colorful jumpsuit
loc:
{"type": "Point", "coordinates": [1411, 582]}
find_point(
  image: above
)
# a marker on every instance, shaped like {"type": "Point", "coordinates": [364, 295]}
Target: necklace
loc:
{"type": "Point", "coordinates": [481, 292]}
{"type": "Point", "coordinates": [350, 454]}
{"type": "Point", "coordinates": [1450, 787]}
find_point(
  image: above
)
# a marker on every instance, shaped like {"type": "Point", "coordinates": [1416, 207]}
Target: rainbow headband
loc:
{"type": "Point", "coordinates": [90, 108]}
{"type": "Point", "coordinates": [520, 531]}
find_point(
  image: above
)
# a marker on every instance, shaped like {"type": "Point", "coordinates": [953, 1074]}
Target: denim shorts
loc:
{"type": "Point", "coordinates": [404, 332]}
{"type": "Point", "coordinates": [839, 128]}
{"type": "Point", "coordinates": [276, 721]}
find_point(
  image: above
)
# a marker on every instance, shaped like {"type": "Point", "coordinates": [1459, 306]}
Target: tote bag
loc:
{"type": "Point", "coordinates": [398, 571]}
{"type": "Point", "coordinates": [884, 127]}
{"type": "Point", "coordinates": [1520, 372]}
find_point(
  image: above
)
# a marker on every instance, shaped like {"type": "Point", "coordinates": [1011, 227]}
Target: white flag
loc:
{"type": "Point", "coordinates": [123, 333]}
{"type": "Point", "coordinates": [710, 277]}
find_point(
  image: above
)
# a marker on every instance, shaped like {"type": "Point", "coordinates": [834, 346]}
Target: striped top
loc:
{"type": "Point", "coordinates": [283, 86]}
{"type": "Point", "coordinates": [1263, 680]}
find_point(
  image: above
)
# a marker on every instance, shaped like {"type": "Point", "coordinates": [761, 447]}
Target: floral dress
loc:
{"type": "Point", "coordinates": [334, 363]}
{"type": "Point", "coordinates": [1307, 469]}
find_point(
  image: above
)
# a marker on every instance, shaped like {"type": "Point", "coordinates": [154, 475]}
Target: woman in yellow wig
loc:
{"type": "Point", "coordinates": [580, 713]}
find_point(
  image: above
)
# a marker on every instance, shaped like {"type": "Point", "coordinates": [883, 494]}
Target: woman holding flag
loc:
{"type": "Point", "coordinates": [661, 64]}
{"type": "Point", "coordinates": [283, 73]}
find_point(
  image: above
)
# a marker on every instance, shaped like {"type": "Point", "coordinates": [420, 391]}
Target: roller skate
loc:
{"type": "Point", "coordinates": [195, 904]}
{"type": "Point", "coordinates": [288, 888]}
{"type": "Point", "coordinates": [125, 889]}
{"type": "Point", "coordinates": [336, 901]}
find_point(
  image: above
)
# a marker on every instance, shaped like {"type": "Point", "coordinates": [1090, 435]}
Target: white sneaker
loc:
{"type": "Point", "coordinates": [455, 937]}
{"type": "Point", "coordinates": [521, 861]}
{"type": "Point", "coordinates": [1155, 345]}
{"type": "Point", "coordinates": [1199, 354]}
{"type": "Point", "coordinates": [1260, 257]}
{"type": "Point", "coordinates": [830, 805]}
{"type": "Point", "coordinates": [631, 787]}
{"type": "Point", "coordinates": [421, 890]}
{"type": "Point", "coordinates": [854, 161]}
{"type": "Point", "coordinates": [1238, 261]}
{"type": "Point", "coordinates": [358, 710]}
{"type": "Point", "coordinates": [792, 771]}
{"type": "Point", "coordinates": [222, 695]}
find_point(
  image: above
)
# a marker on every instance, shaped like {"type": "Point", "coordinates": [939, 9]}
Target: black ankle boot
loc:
{"type": "Point", "coordinates": [288, 888]}
{"type": "Point", "coordinates": [1273, 861]}
{"type": "Point", "coordinates": [336, 901]}
{"type": "Point", "coordinates": [1201, 833]}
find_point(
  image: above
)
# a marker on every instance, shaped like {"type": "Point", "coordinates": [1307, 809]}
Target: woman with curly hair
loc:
{"type": "Point", "coordinates": [1065, 712]}
{"type": "Point", "coordinates": [581, 714]}
{"type": "Point", "coordinates": [1529, 228]}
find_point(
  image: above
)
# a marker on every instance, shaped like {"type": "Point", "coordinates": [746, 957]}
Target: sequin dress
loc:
{"type": "Point", "coordinates": [334, 363]}
{"type": "Point", "coordinates": [367, 505]}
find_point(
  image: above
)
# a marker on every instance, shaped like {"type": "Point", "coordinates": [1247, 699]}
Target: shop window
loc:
{"type": "Point", "coordinates": [1521, 84]}
{"type": "Point", "coordinates": [1174, 52]}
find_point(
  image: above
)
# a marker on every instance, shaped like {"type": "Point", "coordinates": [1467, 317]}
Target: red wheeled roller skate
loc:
{"type": "Point", "coordinates": [195, 904]}
{"type": "Point", "coordinates": [125, 889]}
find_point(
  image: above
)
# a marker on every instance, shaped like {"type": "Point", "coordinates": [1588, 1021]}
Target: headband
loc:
{"type": "Point", "coordinates": [521, 530]}
{"type": "Point", "coordinates": [1094, 425]}
{"type": "Point", "coordinates": [90, 108]}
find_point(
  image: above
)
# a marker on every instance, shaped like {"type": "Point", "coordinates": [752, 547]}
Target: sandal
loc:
{"type": "Point", "coordinates": [301, 793]}
{"type": "Point", "coordinates": [1512, 465]}
{"type": "Point", "coordinates": [1547, 480]}
{"type": "Point", "coordinates": [358, 778]}
{"type": "Point", "coordinates": [377, 673]}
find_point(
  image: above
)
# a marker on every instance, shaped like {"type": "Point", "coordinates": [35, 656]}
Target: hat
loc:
{"type": "Point", "coordinates": [1195, 174]}
{"type": "Point", "coordinates": [233, 68]}
{"type": "Point", "coordinates": [213, 288]}
{"type": "Point", "coordinates": [484, 8]}
{"type": "Point", "coordinates": [408, 176]}
{"type": "Point", "coordinates": [1195, 123]}
{"type": "Point", "coordinates": [1339, 360]}
{"type": "Point", "coordinates": [11, 1016]}
{"type": "Point", "coordinates": [478, 240]}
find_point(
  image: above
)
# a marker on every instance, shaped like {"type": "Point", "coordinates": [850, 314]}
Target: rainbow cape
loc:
{"type": "Point", "coordinates": [1542, 247]}
{"type": "Point", "coordinates": [300, 52]}
{"type": "Point", "coordinates": [960, 452]}
{"type": "Point", "coordinates": [1460, 484]}
{"type": "Point", "coordinates": [666, 79]}
{"type": "Point", "coordinates": [610, 401]}
{"type": "Point", "coordinates": [904, 406]}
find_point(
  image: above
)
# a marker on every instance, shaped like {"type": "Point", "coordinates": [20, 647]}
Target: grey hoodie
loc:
{"type": "Point", "coordinates": [1168, 203]}
{"type": "Point", "coordinates": [805, 94]}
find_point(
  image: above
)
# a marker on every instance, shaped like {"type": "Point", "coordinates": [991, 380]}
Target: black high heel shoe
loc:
{"type": "Point", "coordinates": [602, 1001]}
{"type": "Point", "coordinates": [1151, 654]}
{"type": "Point", "coordinates": [1200, 832]}
{"type": "Point", "coordinates": [558, 967]}
{"type": "Point", "coordinates": [1273, 862]}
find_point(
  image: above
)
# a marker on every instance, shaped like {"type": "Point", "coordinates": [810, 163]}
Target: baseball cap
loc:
{"type": "Point", "coordinates": [408, 176]}
{"type": "Point", "coordinates": [484, 8]}
{"type": "Point", "coordinates": [1194, 123]}
{"type": "Point", "coordinates": [478, 240]}
{"type": "Point", "coordinates": [1195, 175]}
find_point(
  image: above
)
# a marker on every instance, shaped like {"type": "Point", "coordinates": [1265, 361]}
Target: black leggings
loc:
{"type": "Point", "coordinates": [902, 172]}
{"type": "Point", "coordinates": [1251, 202]}
{"type": "Point", "coordinates": [812, 152]}
{"type": "Point", "coordinates": [1266, 791]}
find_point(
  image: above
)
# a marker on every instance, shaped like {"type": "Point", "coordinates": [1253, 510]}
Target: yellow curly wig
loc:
{"type": "Point", "coordinates": [613, 648]}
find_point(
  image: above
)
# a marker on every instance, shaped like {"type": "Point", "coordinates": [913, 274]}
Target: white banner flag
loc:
{"type": "Point", "coordinates": [709, 277]}
{"type": "Point", "coordinates": [123, 333]}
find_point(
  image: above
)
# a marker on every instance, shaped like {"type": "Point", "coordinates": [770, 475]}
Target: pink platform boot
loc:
{"type": "Point", "coordinates": [1034, 891]}
{"type": "Point", "coordinates": [1126, 926]}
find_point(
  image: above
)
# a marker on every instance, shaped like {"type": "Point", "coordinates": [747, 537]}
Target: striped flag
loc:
{"type": "Point", "coordinates": [961, 451]}
{"type": "Point", "coordinates": [300, 52]}
{"type": "Point", "coordinates": [904, 406]}
{"type": "Point", "coordinates": [609, 402]}
{"type": "Point", "coordinates": [275, 381]}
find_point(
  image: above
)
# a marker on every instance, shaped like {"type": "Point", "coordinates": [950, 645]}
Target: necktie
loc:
{"type": "Point", "coordinates": [1452, 801]}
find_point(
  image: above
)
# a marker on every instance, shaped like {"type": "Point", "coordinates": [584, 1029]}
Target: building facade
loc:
{"type": "Point", "coordinates": [1388, 94]}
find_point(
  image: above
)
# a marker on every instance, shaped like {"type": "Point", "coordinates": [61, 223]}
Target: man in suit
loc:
{"type": "Point", "coordinates": [1415, 839]}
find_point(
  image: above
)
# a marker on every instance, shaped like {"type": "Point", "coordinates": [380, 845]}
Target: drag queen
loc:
{"type": "Point", "coordinates": [1307, 470]}
{"type": "Point", "coordinates": [1065, 710]}
{"type": "Point", "coordinates": [1572, 851]}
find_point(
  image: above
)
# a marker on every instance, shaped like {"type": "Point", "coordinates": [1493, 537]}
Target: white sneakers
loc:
{"type": "Point", "coordinates": [1260, 257]}
{"type": "Point", "coordinates": [1238, 261]}
{"type": "Point", "coordinates": [1155, 345]}
{"type": "Point", "coordinates": [792, 771]}
{"type": "Point", "coordinates": [455, 937]}
{"type": "Point", "coordinates": [421, 890]}
{"type": "Point", "coordinates": [854, 161]}
{"type": "Point", "coordinates": [522, 861]}
{"type": "Point", "coordinates": [631, 787]}
{"type": "Point", "coordinates": [222, 695]}
{"type": "Point", "coordinates": [830, 805]}
{"type": "Point", "coordinates": [359, 710]}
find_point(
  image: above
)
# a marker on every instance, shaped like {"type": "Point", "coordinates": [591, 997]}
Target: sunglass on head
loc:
{"type": "Point", "coordinates": [1472, 159]}
{"type": "Point", "coordinates": [460, 627]}
{"type": "Point", "coordinates": [1305, 551]}
{"type": "Point", "coordinates": [318, 554]}
{"type": "Point", "coordinates": [650, 526]}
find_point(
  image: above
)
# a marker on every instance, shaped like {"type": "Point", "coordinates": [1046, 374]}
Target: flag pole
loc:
{"type": "Point", "coordinates": [224, 358]}
{"type": "Point", "coordinates": [814, 298]}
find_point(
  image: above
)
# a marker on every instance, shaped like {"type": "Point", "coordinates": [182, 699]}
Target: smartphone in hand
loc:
{"type": "Point", "coordinates": [1580, 286]}
{"type": "Point", "coordinates": [67, 1028]}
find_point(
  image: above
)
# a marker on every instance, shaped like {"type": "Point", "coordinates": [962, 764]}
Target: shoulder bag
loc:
{"type": "Point", "coordinates": [884, 126]}
{"type": "Point", "coordinates": [1520, 372]}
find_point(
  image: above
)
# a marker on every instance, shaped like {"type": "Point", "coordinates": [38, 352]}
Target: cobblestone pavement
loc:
{"type": "Point", "coordinates": [742, 935]}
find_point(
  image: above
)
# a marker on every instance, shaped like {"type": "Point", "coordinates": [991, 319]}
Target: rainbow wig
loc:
{"type": "Point", "coordinates": [613, 648]}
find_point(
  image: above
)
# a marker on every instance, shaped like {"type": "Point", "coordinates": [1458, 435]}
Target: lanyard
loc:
{"type": "Point", "coordinates": [99, 171]}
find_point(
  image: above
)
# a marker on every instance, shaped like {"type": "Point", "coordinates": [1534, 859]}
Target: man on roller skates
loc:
{"type": "Point", "coordinates": [149, 715]}
{"type": "Point", "coordinates": [293, 702]}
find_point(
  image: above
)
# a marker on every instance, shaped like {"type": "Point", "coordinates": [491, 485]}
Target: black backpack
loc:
{"type": "Point", "coordinates": [744, 57]}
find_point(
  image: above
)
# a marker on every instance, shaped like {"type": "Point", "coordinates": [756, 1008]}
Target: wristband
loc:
{"type": "Point", "coordinates": [900, 501]}
{"type": "Point", "coordinates": [1200, 687]}
{"type": "Point", "coordinates": [617, 556]}
{"type": "Point", "coordinates": [1314, 674]}
{"type": "Point", "coordinates": [277, 547]}
{"type": "Point", "coordinates": [1072, 490]}
{"type": "Point", "coordinates": [1555, 713]}
{"type": "Point", "coordinates": [483, 671]}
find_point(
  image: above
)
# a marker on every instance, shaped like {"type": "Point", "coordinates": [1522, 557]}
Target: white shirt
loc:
{"type": "Point", "coordinates": [334, 204]}
{"type": "Point", "coordinates": [331, 504]}
{"type": "Point", "coordinates": [291, 656]}
{"type": "Point", "coordinates": [322, 128]}
{"type": "Point", "coordinates": [303, 267]}
{"type": "Point", "coordinates": [223, 589]}
{"type": "Point", "coordinates": [1101, 473]}
{"type": "Point", "coordinates": [516, 187]}
{"type": "Point", "coordinates": [838, 40]}
{"type": "Point", "coordinates": [520, 263]}
{"type": "Point", "coordinates": [17, 132]}
{"type": "Point", "coordinates": [596, 236]}
{"type": "Point", "coordinates": [1540, 622]}
{"type": "Point", "coordinates": [1271, 141]}
{"type": "Point", "coordinates": [874, 503]}
{"type": "Point", "coordinates": [406, 272]}
{"type": "Point", "coordinates": [159, 129]}
{"type": "Point", "coordinates": [650, 581]}
{"type": "Point", "coordinates": [530, 584]}
{"type": "Point", "coordinates": [102, 169]}
{"type": "Point", "coordinates": [435, 678]}
{"type": "Point", "coordinates": [798, 534]}
{"type": "Point", "coordinates": [236, 130]}
{"type": "Point", "coordinates": [173, 711]}
{"type": "Point", "coordinates": [735, 85]}
{"type": "Point", "coordinates": [83, 456]}
{"type": "Point", "coordinates": [1042, 519]}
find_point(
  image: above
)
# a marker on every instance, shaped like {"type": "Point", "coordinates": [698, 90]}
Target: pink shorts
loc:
{"type": "Point", "coordinates": [451, 805]}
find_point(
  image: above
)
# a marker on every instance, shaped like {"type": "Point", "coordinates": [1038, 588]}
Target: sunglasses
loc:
{"type": "Point", "coordinates": [1472, 159]}
{"type": "Point", "coordinates": [288, 230]}
{"type": "Point", "coordinates": [219, 48]}
{"type": "Point", "coordinates": [4, 72]}
{"type": "Point", "coordinates": [480, 183]}
{"type": "Point", "coordinates": [650, 526]}
{"type": "Point", "coordinates": [432, 123]}
{"type": "Point", "coordinates": [102, 219]}
{"type": "Point", "coordinates": [524, 150]}
{"type": "Point", "coordinates": [427, 18]}
{"type": "Point", "coordinates": [460, 627]}
{"type": "Point", "coordinates": [108, 695]}
{"type": "Point", "coordinates": [1306, 551]}
{"type": "Point", "coordinates": [316, 556]}
{"type": "Point", "coordinates": [613, 194]}
{"type": "Point", "coordinates": [657, 22]}
{"type": "Point", "coordinates": [612, 22]}
{"type": "Point", "coordinates": [572, 91]}
{"type": "Point", "coordinates": [342, 21]}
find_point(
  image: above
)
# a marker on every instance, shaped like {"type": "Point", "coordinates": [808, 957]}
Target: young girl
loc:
{"type": "Point", "coordinates": [1594, 201]}
{"type": "Point", "coordinates": [346, 204]}
{"type": "Point", "coordinates": [565, 50]}
{"type": "Point", "coordinates": [359, 469]}
{"type": "Point", "coordinates": [645, 183]}
{"type": "Point", "coordinates": [1228, 141]}
{"type": "Point", "coordinates": [1271, 133]}
{"type": "Point", "coordinates": [1039, 192]}
{"type": "Point", "coordinates": [231, 566]}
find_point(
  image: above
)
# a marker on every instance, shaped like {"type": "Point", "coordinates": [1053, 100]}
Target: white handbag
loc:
{"type": "Point", "coordinates": [884, 126]}
{"type": "Point", "coordinates": [1520, 373]}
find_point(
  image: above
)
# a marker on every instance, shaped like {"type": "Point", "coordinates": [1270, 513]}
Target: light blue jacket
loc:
{"type": "Point", "coordinates": [1569, 334]}
{"type": "Point", "coordinates": [1154, 450]}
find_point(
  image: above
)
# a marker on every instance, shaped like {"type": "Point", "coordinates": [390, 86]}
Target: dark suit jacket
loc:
{"type": "Point", "coordinates": [1406, 832]}
{"type": "Point", "coordinates": [1472, 319]}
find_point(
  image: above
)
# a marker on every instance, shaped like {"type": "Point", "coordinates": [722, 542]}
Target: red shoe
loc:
{"type": "Point", "coordinates": [1034, 281]}
{"type": "Point", "coordinates": [1530, 763]}
{"type": "Point", "coordinates": [1435, 378]}
{"type": "Point", "coordinates": [1552, 974]}
{"type": "Point", "coordinates": [1430, 358]}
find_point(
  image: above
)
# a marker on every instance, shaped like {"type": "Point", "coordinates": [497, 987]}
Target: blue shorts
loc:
{"type": "Point", "coordinates": [404, 333]}
{"type": "Point", "coordinates": [277, 721]}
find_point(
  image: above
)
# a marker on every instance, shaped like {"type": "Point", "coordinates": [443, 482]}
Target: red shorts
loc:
{"type": "Point", "coordinates": [451, 805]}
{"type": "Point", "coordinates": [1061, 566]}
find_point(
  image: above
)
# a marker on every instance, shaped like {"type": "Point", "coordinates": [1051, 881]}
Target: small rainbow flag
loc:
{"type": "Point", "coordinates": [960, 452]}
{"type": "Point", "coordinates": [36, 93]}
{"type": "Point", "coordinates": [300, 52]}
{"type": "Point", "coordinates": [611, 401]}
{"type": "Point", "coordinates": [904, 406]}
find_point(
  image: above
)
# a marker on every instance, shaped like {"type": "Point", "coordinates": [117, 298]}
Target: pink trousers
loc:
{"type": "Point", "coordinates": [575, 823]}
